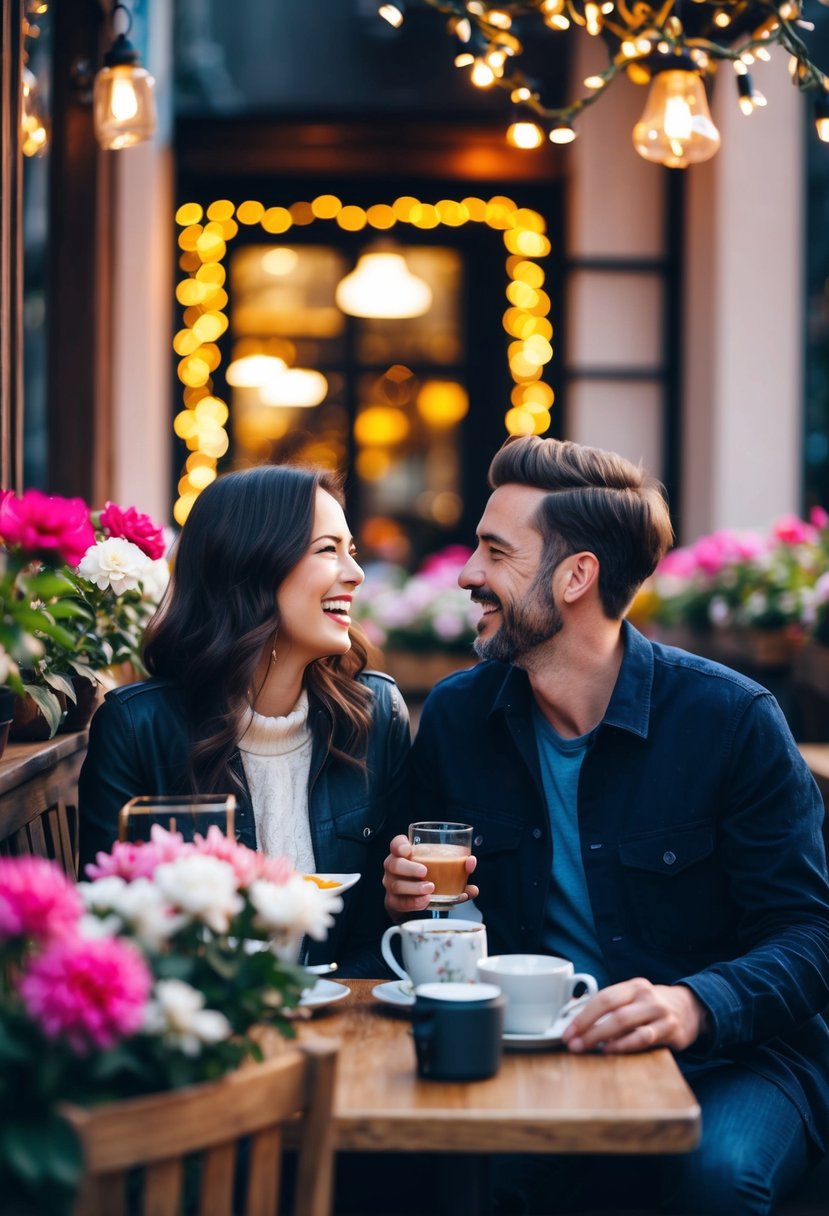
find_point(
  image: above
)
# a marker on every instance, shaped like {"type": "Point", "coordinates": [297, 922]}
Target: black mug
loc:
{"type": "Point", "coordinates": [458, 1031]}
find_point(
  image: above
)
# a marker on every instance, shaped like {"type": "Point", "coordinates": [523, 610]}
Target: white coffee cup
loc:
{"type": "Point", "coordinates": [537, 988]}
{"type": "Point", "coordinates": [436, 951]}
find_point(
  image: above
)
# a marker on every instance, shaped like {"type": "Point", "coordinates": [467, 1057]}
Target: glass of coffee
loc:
{"type": "Point", "coordinates": [443, 849]}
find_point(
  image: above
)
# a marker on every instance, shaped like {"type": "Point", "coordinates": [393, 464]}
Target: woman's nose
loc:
{"type": "Point", "coordinates": [354, 572]}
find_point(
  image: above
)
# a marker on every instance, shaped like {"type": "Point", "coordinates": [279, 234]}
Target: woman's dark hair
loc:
{"type": "Point", "coordinates": [596, 501]}
{"type": "Point", "coordinates": [244, 535]}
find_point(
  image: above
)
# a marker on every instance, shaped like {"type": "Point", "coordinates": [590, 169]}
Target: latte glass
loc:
{"type": "Point", "coordinates": [443, 849]}
{"type": "Point", "coordinates": [185, 813]}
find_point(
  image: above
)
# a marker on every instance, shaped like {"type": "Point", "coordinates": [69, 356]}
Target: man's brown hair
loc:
{"type": "Point", "coordinates": [597, 501]}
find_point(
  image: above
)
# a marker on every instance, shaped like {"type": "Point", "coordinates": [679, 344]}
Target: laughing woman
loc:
{"type": "Point", "coordinates": [259, 688]}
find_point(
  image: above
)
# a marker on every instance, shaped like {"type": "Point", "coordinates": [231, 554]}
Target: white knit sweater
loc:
{"type": "Point", "coordinates": [276, 754]}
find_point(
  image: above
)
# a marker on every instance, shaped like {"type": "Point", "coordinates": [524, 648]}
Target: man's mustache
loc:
{"type": "Point", "coordinates": [484, 597]}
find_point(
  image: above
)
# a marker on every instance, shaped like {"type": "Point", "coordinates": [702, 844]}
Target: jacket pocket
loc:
{"type": "Point", "coordinates": [675, 888]}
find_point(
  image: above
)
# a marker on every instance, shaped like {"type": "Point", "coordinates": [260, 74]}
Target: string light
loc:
{"type": "Point", "coordinates": [638, 37]}
{"type": "Point", "coordinates": [122, 97]}
{"type": "Point", "coordinates": [202, 423]}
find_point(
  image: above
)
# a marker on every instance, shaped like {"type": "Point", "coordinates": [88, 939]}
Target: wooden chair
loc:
{"type": "Point", "coordinates": [156, 1132]}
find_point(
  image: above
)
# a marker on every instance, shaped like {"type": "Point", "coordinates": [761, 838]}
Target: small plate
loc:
{"type": "Point", "coordinates": [394, 992]}
{"type": "Point", "coordinates": [344, 881]}
{"type": "Point", "coordinates": [324, 992]}
{"type": "Point", "coordinates": [551, 1037]}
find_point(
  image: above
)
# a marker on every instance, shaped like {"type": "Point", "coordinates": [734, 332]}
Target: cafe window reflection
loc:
{"type": "Point", "coordinates": [384, 398]}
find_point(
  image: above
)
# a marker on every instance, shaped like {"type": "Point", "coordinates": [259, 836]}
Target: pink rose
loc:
{"type": "Point", "coordinates": [793, 531]}
{"type": "Point", "coordinates": [819, 518]}
{"type": "Point", "coordinates": [133, 526]}
{"type": "Point", "coordinates": [39, 522]}
{"type": "Point", "coordinates": [92, 992]}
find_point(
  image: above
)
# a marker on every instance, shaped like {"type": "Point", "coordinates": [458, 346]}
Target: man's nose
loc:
{"type": "Point", "coordinates": [471, 575]}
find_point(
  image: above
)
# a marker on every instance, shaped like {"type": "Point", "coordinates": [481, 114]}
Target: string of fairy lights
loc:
{"type": "Point", "coordinates": [206, 231]}
{"type": "Point", "coordinates": [672, 46]}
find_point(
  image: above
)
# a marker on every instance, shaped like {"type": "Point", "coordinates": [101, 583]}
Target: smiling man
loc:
{"type": "Point", "coordinates": [644, 813]}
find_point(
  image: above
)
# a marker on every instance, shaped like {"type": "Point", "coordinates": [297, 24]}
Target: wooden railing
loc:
{"type": "Point", "coordinates": [39, 799]}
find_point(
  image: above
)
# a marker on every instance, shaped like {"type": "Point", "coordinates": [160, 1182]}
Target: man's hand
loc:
{"type": "Point", "coordinates": [404, 880]}
{"type": "Point", "coordinates": [636, 1015]}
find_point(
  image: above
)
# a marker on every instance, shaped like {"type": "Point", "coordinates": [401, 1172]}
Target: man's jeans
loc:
{"type": "Point", "coordinates": [754, 1149]}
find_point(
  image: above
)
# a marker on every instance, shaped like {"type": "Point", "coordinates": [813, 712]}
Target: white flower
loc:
{"type": "Point", "coordinates": [154, 579]}
{"type": "Point", "coordinates": [7, 665]}
{"type": "Point", "coordinates": [294, 908]}
{"type": "Point", "coordinates": [114, 563]}
{"type": "Point", "coordinates": [177, 1013]}
{"type": "Point", "coordinates": [148, 914]}
{"type": "Point", "coordinates": [103, 895]}
{"type": "Point", "coordinates": [718, 611]}
{"type": "Point", "coordinates": [204, 888]}
{"type": "Point", "coordinates": [91, 927]}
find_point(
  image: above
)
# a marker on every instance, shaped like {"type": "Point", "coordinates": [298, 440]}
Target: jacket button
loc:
{"type": "Point", "coordinates": [366, 832]}
{"type": "Point", "coordinates": [536, 833]}
{"type": "Point", "coordinates": [478, 841]}
{"type": "Point", "coordinates": [669, 858]}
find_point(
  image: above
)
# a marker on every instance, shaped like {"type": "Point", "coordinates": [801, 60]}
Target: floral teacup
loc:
{"type": "Point", "coordinates": [437, 951]}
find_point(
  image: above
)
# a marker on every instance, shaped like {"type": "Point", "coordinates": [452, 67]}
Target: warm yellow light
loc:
{"type": "Point", "coordinates": [594, 82]}
{"type": "Point", "coordinates": [249, 212]}
{"type": "Point", "coordinates": [211, 411]}
{"type": "Point", "coordinates": [482, 75]}
{"type": "Point", "coordinates": [298, 387]}
{"type": "Point", "coordinates": [253, 371]}
{"type": "Point", "coordinates": [352, 219]}
{"type": "Point", "coordinates": [822, 128]}
{"type": "Point", "coordinates": [382, 286]}
{"type": "Point", "coordinates": [393, 13]}
{"type": "Point", "coordinates": [185, 342]}
{"type": "Point", "coordinates": [210, 247]}
{"type": "Point", "coordinates": [519, 422]}
{"type": "Point", "coordinates": [189, 213]}
{"type": "Point", "coordinates": [210, 326]}
{"type": "Point", "coordinates": [381, 215]}
{"type": "Point", "coordinates": [191, 291]}
{"type": "Point", "coordinates": [525, 135]}
{"type": "Point", "coordinates": [442, 403]}
{"type": "Point", "coordinates": [522, 295]}
{"type": "Point", "coordinates": [592, 18]}
{"type": "Point", "coordinates": [193, 371]}
{"type": "Point", "coordinates": [123, 106]}
{"type": "Point", "coordinates": [279, 261]}
{"type": "Point", "coordinates": [381, 426]}
{"type": "Point", "coordinates": [562, 134]}
{"type": "Point", "coordinates": [302, 213]}
{"type": "Point", "coordinates": [201, 477]}
{"type": "Point", "coordinates": [183, 507]}
{"type": "Point", "coordinates": [220, 209]}
{"type": "Point", "coordinates": [276, 220]}
{"type": "Point", "coordinates": [522, 93]}
{"type": "Point", "coordinates": [676, 127]}
{"type": "Point", "coordinates": [372, 463]}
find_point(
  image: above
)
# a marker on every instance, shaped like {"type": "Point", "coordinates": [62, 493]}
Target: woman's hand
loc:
{"type": "Point", "coordinates": [636, 1015]}
{"type": "Point", "coordinates": [404, 880]}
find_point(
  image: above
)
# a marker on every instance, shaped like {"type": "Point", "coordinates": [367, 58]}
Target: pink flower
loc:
{"type": "Point", "coordinates": [819, 518]}
{"type": "Point", "coordinates": [129, 860]}
{"type": "Point", "coordinates": [247, 865]}
{"type": "Point", "coordinates": [36, 899]}
{"type": "Point", "coordinates": [38, 522]}
{"type": "Point", "coordinates": [93, 992]}
{"type": "Point", "coordinates": [793, 531]}
{"type": "Point", "coordinates": [680, 562]}
{"type": "Point", "coordinates": [135, 527]}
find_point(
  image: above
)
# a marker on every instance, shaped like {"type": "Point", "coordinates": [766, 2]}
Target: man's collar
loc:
{"type": "Point", "coordinates": [630, 703]}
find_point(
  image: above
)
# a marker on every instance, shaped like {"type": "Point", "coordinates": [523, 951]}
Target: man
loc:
{"type": "Point", "coordinates": [644, 813]}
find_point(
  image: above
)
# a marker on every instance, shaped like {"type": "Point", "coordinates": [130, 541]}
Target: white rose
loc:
{"type": "Point", "coordinates": [294, 908]}
{"type": "Point", "coordinates": [144, 908]}
{"type": "Point", "coordinates": [204, 888]}
{"type": "Point", "coordinates": [115, 563]}
{"type": "Point", "coordinates": [177, 1013]}
{"type": "Point", "coordinates": [155, 578]}
{"type": "Point", "coordinates": [103, 895]}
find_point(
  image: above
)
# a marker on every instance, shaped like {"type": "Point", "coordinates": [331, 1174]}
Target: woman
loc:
{"type": "Point", "coordinates": [259, 688]}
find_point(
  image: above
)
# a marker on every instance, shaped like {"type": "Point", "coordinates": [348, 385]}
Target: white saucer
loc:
{"type": "Point", "coordinates": [551, 1037]}
{"type": "Point", "coordinates": [394, 992]}
{"type": "Point", "coordinates": [324, 992]}
{"type": "Point", "coordinates": [344, 881]}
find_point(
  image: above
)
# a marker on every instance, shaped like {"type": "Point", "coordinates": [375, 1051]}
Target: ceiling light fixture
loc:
{"type": "Point", "coordinates": [382, 286]}
{"type": "Point", "coordinates": [123, 100]}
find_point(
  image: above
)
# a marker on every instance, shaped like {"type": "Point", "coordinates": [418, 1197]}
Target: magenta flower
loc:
{"type": "Point", "coordinates": [38, 522]}
{"type": "Point", "coordinates": [90, 992]}
{"type": "Point", "coordinates": [793, 531]}
{"type": "Point", "coordinates": [130, 860]}
{"type": "Point", "coordinates": [819, 518]}
{"type": "Point", "coordinates": [37, 900]}
{"type": "Point", "coordinates": [133, 526]}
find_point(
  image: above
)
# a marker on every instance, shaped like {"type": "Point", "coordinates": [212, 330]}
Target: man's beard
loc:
{"type": "Point", "coordinates": [523, 626]}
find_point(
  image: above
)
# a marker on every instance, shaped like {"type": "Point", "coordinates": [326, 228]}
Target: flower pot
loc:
{"type": "Point", "coordinates": [29, 724]}
{"type": "Point", "coordinates": [417, 672]}
{"type": "Point", "coordinates": [79, 715]}
{"type": "Point", "coordinates": [6, 716]}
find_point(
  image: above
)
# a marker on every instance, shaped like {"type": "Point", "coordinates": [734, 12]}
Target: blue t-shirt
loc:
{"type": "Point", "coordinates": [569, 931]}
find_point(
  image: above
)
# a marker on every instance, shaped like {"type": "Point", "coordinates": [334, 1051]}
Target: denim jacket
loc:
{"type": "Point", "coordinates": [139, 744]}
{"type": "Point", "coordinates": [701, 841]}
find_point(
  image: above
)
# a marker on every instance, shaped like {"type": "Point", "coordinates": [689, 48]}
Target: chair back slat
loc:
{"type": "Point", "coordinates": [264, 1174]}
{"type": "Point", "coordinates": [157, 1132]}
{"type": "Point", "coordinates": [163, 1188]}
{"type": "Point", "coordinates": [218, 1167]}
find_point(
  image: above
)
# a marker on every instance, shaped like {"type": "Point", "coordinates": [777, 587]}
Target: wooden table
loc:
{"type": "Point", "coordinates": [540, 1101]}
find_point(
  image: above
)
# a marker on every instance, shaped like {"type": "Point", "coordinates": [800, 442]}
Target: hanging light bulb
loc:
{"type": "Point", "coordinates": [822, 116]}
{"type": "Point", "coordinates": [382, 286]}
{"type": "Point", "coordinates": [123, 101]}
{"type": "Point", "coordinates": [394, 13]}
{"type": "Point", "coordinates": [34, 129]}
{"type": "Point", "coordinates": [523, 134]}
{"type": "Point", "coordinates": [676, 128]}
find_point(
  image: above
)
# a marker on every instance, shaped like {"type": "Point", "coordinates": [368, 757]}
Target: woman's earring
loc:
{"type": "Point", "coordinates": [273, 654]}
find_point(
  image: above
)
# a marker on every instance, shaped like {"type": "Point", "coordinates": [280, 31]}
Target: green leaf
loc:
{"type": "Point", "coordinates": [47, 584]}
{"type": "Point", "coordinates": [61, 1153]}
{"type": "Point", "coordinates": [47, 703]}
{"type": "Point", "coordinates": [62, 684]}
{"type": "Point", "coordinates": [20, 1146]}
{"type": "Point", "coordinates": [69, 610]}
{"type": "Point", "coordinates": [83, 669]}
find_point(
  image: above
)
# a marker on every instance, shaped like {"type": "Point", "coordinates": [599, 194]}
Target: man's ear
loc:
{"type": "Point", "coordinates": [576, 575]}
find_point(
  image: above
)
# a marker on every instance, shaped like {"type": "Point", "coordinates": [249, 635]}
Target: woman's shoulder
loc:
{"type": "Point", "coordinates": [154, 700]}
{"type": "Point", "coordinates": [387, 695]}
